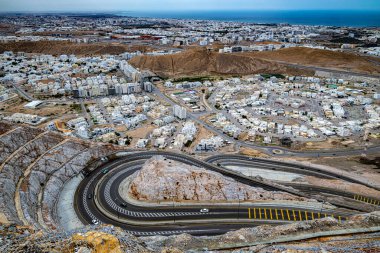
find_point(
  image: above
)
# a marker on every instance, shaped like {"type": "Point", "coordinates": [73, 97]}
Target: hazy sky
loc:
{"type": "Point", "coordinates": [167, 5]}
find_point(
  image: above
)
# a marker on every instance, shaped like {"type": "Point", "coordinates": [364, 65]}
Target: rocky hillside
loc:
{"type": "Point", "coordinates": [63, 47]}
{"type": "Point", "coordinates": [168, 178]}
{"type": "Point", "coordinates": [325, 235]}
{"type": "Point", "coordinates": [34, 166]}
{"type": "Point", "coordinates": [323, 58]}
{"type": "Point", "coordinates": [200, 61]}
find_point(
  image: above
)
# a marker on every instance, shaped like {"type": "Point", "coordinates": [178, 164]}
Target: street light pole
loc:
{"type": "Point", "coordinates": [117, 209]}
{"type": "Point", "coordinates": [238, 195]}
{"type": "Point", "coordinates": [172, 196]}
{"type": "Point", "coordinates": [322, 206]}
{"type": "Point", "coordinates": [174, 209]}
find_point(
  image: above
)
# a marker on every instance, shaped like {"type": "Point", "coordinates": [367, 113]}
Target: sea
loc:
{"type": "Point", "coordinates": [342, 18]}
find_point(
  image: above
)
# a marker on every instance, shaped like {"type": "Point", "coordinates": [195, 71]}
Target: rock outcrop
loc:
{"type": "Point", "coordinates": [56, 159]}
{"type": "Point", "coordinates": [15, 166]}
{"type": "Point", "coordinates": [167, 178]}
{"type": "Point", "coordinates": [100, 239]}
{"type": "Point", "coordinates": [261, 235]}
{"type": "Point", "coordinates": [34, 166]}
{"type": "Point", "coordinates": [9, 143]}
{"type": "Point", "coordinates": [255, 239]}
{"type": "Point", "coordinates": [5, 127]}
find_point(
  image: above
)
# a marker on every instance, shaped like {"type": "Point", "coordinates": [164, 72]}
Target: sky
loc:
{"type": "Point", "coordinates": [183, 5]}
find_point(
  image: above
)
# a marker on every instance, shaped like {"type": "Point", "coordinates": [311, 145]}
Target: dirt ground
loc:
{"type": "Point", "coordinates": [202, 133]}
{"type": "Point", "coordinates": [139, 133]}
{"type": "Point", "coordinates": [252, 152]}
{"type": "Point", "coordinates": [336, 143]}
{"type": "Point", "coordinates": [46, 110]}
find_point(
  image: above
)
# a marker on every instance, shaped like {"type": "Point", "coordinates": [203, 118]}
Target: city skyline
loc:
{"type": "Point", "coordinates": [185, 5]}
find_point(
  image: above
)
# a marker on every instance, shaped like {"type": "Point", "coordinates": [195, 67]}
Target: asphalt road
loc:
{"type": "Point", "coordinates": [270, 165]}
{"type": "Point", "coordinates": [97, 197]}
{"type": "Point", "coordinates": [22, 93]}
{"type": "Point", "coordinates": [283, 166]}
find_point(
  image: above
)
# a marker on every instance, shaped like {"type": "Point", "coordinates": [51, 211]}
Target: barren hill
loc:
{"type": "Point", "coordinates": [199, 61]}
{"type": "Point", "coordinates": [63, 47]}
{"type": "Point", "coordinates": [322, 58]}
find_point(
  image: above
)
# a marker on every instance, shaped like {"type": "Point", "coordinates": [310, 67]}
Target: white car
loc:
{"type": "Point", "coordinates": [204, 210]}
{"type": "Point", "coordinates": [95, 222]}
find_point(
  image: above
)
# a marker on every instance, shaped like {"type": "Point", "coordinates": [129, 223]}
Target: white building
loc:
{"type": "Point", "coordinates": [142, 143]}
{"type": "Point", "coordinates": [179, 112]}
{"type": "Point", "coordinates": [34, 104]}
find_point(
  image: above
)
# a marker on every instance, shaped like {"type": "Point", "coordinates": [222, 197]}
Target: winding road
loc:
{"type": "Point", "coordinates": [98, 198]}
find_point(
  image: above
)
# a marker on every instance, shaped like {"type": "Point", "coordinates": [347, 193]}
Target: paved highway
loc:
{"type": "Point", "coordinates": [97, 197]}
{"type": "Point", "coordinates": [22, 93]}
{"type": "Point", "coordinates": [283, 166]}
{"type": "Point", "coordinates": [351, 199]}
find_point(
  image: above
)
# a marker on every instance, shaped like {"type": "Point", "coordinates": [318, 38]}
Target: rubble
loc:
{"type": "Point", "coordinates": [101, 239]}
{"type": "Point", "coordinates": [111, 239]}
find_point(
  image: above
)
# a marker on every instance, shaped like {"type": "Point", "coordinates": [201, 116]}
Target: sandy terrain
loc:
{"type": "Point", "coordinates": [252, 152]}
{"type": "Point", "coordinates": [44, 110]}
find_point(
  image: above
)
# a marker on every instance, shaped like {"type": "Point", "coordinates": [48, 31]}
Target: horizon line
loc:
{"type": "Point", "coordinates": [176, 10]}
